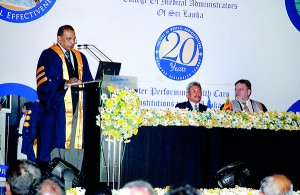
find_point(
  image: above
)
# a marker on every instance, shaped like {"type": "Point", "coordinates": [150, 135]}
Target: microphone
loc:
{"type": "Point", "coordinates": [87, 46]}
{"type": "Point", "coordinates": [101, 52]}
{"type": "Point", "coordinates": [84, 45]}
{"type": "Point", "coordinates": [100, 61]}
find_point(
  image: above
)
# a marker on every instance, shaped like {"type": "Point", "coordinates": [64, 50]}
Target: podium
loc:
{"type": "Point", "coordinates": [119, 81]}
{"type": "Point", "coordinates": [105, 163]}
{"type": "Point", "coordinates": [111, 151]}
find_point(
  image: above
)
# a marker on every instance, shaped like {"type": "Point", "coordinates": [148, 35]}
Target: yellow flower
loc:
{"type": "Point", "coordinates": [110, 89]}
{"type": "Point", "coordinates": [109, 103]}
{"type": "Point", "coordinates": [106, 116]}
{"type": "Point", "coordinates": [120, 117]}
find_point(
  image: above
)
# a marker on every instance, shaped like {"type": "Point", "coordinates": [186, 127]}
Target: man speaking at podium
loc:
{"type": "Point", "coordinates": [59, 69]}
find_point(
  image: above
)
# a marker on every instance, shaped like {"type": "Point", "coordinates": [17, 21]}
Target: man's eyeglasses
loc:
{"type": "Point", "coordinates": [70, 39]}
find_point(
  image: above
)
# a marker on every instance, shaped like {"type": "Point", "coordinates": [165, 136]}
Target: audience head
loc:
{"type": "Point", "coordinates": [138, 187]}
{"type": "Point", "coordinates": [182, 189]}
{"type": "Point", "coordinates": [194, 92]}
{"type": "Point", "coordinates": [242, 90]}
{"type": "Point", "coordinates": [21, 174]}
{"type": "Point", "coordinates": [49, 185]}
{"type": "Point", "coordinates": [276, 185]}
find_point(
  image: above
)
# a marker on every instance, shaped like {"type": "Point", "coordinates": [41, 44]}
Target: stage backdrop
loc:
{"type": "Point", "coordinates": [166, 44]}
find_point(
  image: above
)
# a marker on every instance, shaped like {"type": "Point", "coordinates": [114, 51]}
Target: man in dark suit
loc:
{"type": "Point", "coordinates": [194, 95]}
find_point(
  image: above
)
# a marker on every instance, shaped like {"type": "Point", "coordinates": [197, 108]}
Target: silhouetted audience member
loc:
{"type": "Point", "coordinates": [276, 185]}
{"type": "Point", "coordinates": [182, 189]}
{"type": "Point", "coordinates": [137, 187]}
{"type": "Point", "coordinates": [49, 185]}
{"type": "Point", "coordinates": [21, 174]}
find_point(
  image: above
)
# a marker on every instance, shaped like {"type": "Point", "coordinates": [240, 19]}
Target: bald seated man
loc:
{"type": "Point", "coordinates": [276, 184]}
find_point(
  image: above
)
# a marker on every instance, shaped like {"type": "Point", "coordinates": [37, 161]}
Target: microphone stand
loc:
{"type": "Point", "coordinates": [101, 52]}
{"type": "Point", "coordinates": [100, 61]}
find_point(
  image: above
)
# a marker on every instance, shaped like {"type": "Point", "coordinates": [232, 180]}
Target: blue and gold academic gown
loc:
{"type": "Point", "coordinates": [29, 131]}
{"type": "Point", "coordinates": [56, 123]}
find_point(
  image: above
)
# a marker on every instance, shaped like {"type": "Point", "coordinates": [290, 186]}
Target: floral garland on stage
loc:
{"type": "Point", "coordinates": [121, 116]}
{"type": "Point", "coordinates": [219, 118]}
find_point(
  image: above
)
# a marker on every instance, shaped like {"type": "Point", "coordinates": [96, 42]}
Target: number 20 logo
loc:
{"type": "Point", "coordinates": [178, 53]}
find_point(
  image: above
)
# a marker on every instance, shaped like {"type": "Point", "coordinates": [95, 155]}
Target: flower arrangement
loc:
{"type": "Point", "coordinates": [120, 115]}
{"type": "Point", "coordinates": [219, 118]}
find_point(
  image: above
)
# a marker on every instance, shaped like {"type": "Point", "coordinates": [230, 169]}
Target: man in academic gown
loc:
{"type": "Point", "coordinates": [63, 121]}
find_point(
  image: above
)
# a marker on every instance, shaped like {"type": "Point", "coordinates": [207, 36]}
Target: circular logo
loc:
{"type": "Point", "coordinates": [178, 53]}
{"type": "Point", "coordinates": [293, 10]}
{"type": "Point", "coordinates": [24, 11]}
{"type": "Point", "coordinates": [19, 90]}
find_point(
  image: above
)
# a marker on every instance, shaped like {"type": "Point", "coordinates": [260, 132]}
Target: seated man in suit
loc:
{"type": "Point", "coordinates": [194, 95]}
{"type": "Point", "coordinates": [242, 99]}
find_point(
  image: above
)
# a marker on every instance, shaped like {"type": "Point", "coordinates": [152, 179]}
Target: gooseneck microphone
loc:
{"type": "Point", "coordinates": [101, 72]}
{"type": "Point", "coordinates": [90, 45]}
{"type": "Point", "coordinates": [86, 47]}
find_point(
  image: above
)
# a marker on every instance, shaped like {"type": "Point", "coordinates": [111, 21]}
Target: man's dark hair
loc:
{"type": "Point", "coordinates": [61, 29]}
{"type": "Point", "coordinates": [244, 81]}
{"type": "Point", "coordinates": [21, 174]}
{"type": "Point", "coordinates": [28, 105]}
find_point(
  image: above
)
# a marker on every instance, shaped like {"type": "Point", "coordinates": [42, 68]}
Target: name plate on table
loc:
{"type": "Point", "coordinates": [119, 81]}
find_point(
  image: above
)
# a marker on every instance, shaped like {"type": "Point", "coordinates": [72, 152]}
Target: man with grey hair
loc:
{"type": "Point", "coordinates": [194, 95]}
{"type": "Point", "coordinates": [49, 185]}
{"type": "Point", "coordinates": [21, 174]}
{"type": "Point", "coordinates": [276, 184]}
